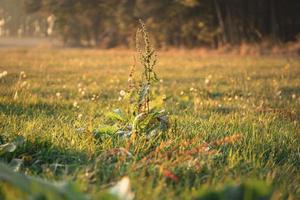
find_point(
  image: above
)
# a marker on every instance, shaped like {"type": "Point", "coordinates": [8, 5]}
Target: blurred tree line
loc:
{"type": "Point", "coordinates": [178, 23]}
{"type": "Point", "coordinates": [15, 21]}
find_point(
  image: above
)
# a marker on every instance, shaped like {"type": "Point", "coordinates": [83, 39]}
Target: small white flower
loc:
{"type": "Point", "coordinates": [23, 84]}
{"type": "Point", "coordinates": [58, 94]}
{"type": "Point", "coordinates": [294, 96]}
{"type": "Point", "coordinates": [207, 81]}
{"type": "Point", "coordinates": [79, 116]}
{"type": "Point", "coordinates": [75, 103]}
{"type": "Point", "coordinates": [4, 73]}
{"type": "Point", "coordinates": [122, 93]}
{"type": "Point", "coordinates": [22, 74]}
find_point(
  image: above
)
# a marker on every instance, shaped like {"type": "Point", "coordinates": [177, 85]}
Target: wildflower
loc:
{"type": "Point", "coordinates": [23, 84]}
{"type": "Point", "coordinates": [58, 94]}
{"type": "Point", "coordinates": [182, 93]}
{"type": "Point", "coordinates": [3, 74]}
{"type": "Point", "coordinates": [294, 96]}
{"type": "Point", "coordinates": [22, 74]}
{"type": "Point", "coordinates": [75, 104]}
{"type": "Point", "coordinates": [122, 93]}
{"type": "Point", "coordinates": [79, 116]}
{"type": "Point", "coordinates": [207, 79]}
{"type": "Point", "coordinates": [94, 97]}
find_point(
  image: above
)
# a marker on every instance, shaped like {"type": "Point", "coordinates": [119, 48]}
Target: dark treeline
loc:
{"type": "Point", "coordinates": [178, 23]}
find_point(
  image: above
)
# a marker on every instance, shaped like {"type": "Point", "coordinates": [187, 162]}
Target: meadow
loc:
{"type": "Point", "coordinates": [233, 133]}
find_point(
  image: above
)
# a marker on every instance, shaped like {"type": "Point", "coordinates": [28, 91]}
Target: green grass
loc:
{"type": "Point", "coordinates": [256, 98]}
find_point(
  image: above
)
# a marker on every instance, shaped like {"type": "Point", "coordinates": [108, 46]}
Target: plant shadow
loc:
{"type": "Point", "coordinates": [43, 156]}
{"type": "Point", "coordinates": [32, 110]}
{"type": "Point", "coordinates": [288, 91]}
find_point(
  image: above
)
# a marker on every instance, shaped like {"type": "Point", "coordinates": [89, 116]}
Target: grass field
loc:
{"type": "Point", "coordinates": [234, 122]}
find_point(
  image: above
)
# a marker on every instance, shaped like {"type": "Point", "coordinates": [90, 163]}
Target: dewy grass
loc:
{"type": "Point", "coordinates": [239, 127]}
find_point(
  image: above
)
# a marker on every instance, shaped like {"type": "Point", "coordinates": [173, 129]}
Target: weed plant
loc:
{"type": "Point", "coordinates": [141, 116]}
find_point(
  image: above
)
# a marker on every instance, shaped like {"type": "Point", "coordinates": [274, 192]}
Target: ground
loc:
{"type": "Point", "coordinates": [232, 119]}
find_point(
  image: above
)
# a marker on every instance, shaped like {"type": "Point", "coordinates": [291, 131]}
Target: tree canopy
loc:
{"type": "Point", "coordinates": [178, 23]}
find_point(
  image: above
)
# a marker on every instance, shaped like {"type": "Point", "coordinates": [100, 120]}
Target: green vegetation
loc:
{"type": "Point", "coordinates": [233, 126]}
{"type": "Point", "coordinates": [141, 116]}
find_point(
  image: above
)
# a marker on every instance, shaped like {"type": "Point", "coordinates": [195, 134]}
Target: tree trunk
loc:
{"type": "Point", "coordinates": [223, 38]}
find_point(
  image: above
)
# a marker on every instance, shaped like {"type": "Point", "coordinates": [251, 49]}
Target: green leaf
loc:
{"type": "Point", "coordinates": [8, 147]}
{"type": "Point", "coordinates": [116, 115]}
{"type": "Point", "coordinates": [11, 146]}
{"type": "Point", "coordinates": [16, 164]}
{"type": "Point", "coordinates": [144, 91]}
{"type": "Point", "coordinates": [106, 129]}
{"type": "Point", "coordinates": [37, 187]}
{"type": "Point", "coordinates": [137, 120]}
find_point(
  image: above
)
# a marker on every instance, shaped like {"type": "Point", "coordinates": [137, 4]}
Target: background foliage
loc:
{"type": "Point", "coordinates": [179, 23]}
